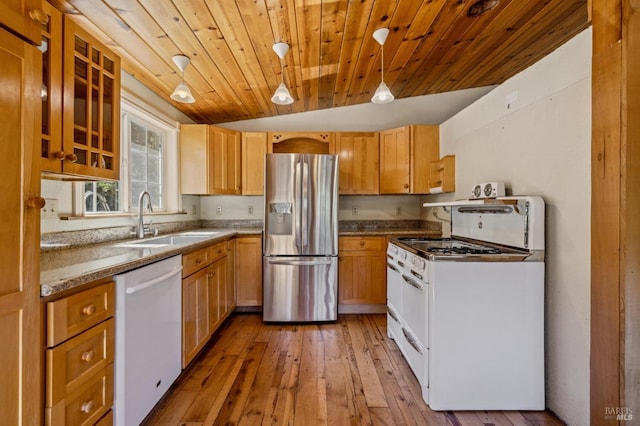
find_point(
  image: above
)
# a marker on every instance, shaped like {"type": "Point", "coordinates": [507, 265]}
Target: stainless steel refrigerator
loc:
{"type": "Point", "coordinates": [300, 243]}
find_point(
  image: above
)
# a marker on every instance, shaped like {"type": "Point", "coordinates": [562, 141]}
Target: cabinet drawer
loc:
{"type": "Point", "coordinates": [74, 314]}
{"type": "Point", "coordinates": [194, 261]}
{"type": "Point", "coordinates": [86, 405]}
{"type": "Point", "coordinates": [361, 243]}
{"type": "Point", "coordinates": [217, 251]}
{"type": "Point", "coordinates": [72, 363]}
{"type": "Point", "coordinates": [106, 420]}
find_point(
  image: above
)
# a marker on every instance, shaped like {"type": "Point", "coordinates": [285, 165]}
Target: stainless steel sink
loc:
{"type": "Point", "coordinates": [171, 240]}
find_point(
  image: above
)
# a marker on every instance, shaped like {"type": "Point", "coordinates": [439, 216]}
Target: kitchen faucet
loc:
{"type": "Point", "coordinates": [142, 228]}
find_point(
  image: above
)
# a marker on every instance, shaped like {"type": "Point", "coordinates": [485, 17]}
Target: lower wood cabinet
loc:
{"type": "Point", "coordinates": [79, 357]}
{"type": "Point", "coordinates": [362, 278]}
{"type": "Point", "coordinates": [206, 298]}
{"type": "Point", "coordinates": [249, 271]}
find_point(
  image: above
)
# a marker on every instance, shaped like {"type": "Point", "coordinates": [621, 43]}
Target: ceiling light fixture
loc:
{"type": "Point", "coordinates": [282, 95]}
{"type": "Point", "coordinates": [383, 95]}
{"type": "Point", "coordinates": [182, 93]}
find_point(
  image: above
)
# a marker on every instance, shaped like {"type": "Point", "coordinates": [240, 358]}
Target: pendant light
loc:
{"type": "Point", "coordinates": [281, 95]}
{"type": "Point", "coordinates": [182, 93]}
{"type": "Point", "coordinates": [383, 95]}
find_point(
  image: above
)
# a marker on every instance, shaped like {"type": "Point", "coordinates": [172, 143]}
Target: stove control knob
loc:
{"type": "Point", "coordinates": [403, 255]}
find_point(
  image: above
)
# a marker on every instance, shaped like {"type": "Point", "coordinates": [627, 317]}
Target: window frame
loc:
{"type": "Point", "coordinates": [132, 108]}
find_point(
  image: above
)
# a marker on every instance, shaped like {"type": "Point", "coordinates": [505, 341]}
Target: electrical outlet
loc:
{"type": "Point", "coordinates": [251, 210]}
{"type": "Point", "coordinates": [398, 211]}
{"type": "Point", "coordinates": [50, 209]}
{"type": "Point", "coordinates": [354, 210]}
{"type": "Point", "coordinates": [218, 209]}
{"type": "Point", "coordinates": [194, 209]}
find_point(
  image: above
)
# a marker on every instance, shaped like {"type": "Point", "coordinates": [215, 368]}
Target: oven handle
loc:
{"type": "Point", "coordinates": [411, 340]}
{"type": "Point", "coordinates": [411, 282]}
{"type": "Point", "coordinates": [400, 264]}
{"type": "Point", "coordinates": [417, 275]}
{"type": "Point", "coordinates": [392, 314]}
{"type": "Point", "coordinates": [392, 267]}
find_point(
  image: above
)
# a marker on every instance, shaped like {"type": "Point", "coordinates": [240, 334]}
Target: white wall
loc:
{"type": "Point", "coordinates": [534, 133]}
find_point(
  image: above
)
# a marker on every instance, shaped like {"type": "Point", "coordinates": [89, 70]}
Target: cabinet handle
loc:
{"type": "Point", "coordinates": [361, 243]}
{"type": "Point", "coordinates": [38, 15]}
{"type": "Point", "coordinates": [86, 407]}
{"type": "Point", "coordinates": [406, 185]}
{"type": "Point", "coordinates": [89, 309]}
{"type": "Point", "coordinates": [72, 158]}
{"type": "Point", "coordinates": [411, 341]}
{"type": "Point", "coordinates": [198, 261]}
{"type": "Point", "coordinates": [88, 356]}
{"type": "Point", "coordinates": [36, 202]}
{"type": "Point", "coordinates": [60, 155]}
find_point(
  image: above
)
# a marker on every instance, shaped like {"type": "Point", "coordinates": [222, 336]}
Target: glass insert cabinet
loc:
{"type": "Point", "coordinates": [89, 144]}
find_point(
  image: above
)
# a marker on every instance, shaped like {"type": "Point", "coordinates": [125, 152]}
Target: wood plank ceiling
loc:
{"type": "Point", "coordinates": [433, 47]}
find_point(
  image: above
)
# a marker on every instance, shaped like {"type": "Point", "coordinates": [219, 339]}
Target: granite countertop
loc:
{"type": "Point", "coordinates": [62, 270]}
{"type": "Point", "coordinates": [68, 268]}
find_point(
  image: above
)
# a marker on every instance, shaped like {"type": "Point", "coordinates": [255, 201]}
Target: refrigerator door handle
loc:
{"type": "Point", "coordinates": [297, 197]}
{"type": "Point", "coordinates": [304, 230]}
{"type": "Point", "coordinates": [299, 262]}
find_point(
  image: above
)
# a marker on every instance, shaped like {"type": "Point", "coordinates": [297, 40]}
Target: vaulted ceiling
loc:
{"type": "Point", "coordinates": [434, 46]}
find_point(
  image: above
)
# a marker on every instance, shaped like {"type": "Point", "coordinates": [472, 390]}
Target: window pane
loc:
{"type": "Point", "coordinates": [146, 162]}
{"type": "Point", "coordinates": [101, 197]}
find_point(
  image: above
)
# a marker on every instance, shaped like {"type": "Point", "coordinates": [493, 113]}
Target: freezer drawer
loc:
{"type": "Point", "coordinates": [299, 289]}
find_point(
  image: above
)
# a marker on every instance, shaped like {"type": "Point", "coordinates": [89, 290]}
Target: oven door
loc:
{"type": "Point", "coordinates": [394, 284]}
{"type": "Point", "coordinates": [415, 304]}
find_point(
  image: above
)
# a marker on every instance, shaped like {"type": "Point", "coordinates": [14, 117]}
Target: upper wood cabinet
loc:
{"type": "Point", "coordinates": [20, 310]}
{"type": "Point", "coordinates": [359, 163]}
{"type": "Point", "coordinates": [406, 154]}
{"type": "Point", "coordinates": [254, 147]}
{"type": "Point", "coordinates": [24, 17]}
{"type": "Point", "coordinates": [91, 99]}
{"type": "Point", "coordinates": [209, 160]}
{"type": "Point", "coordinates": [301, 142]}
{"type": "Point", "coordinates": [51, 152]}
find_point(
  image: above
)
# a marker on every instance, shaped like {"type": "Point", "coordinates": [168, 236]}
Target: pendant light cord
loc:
{"type": "Point", "coordinates": [382, 64]}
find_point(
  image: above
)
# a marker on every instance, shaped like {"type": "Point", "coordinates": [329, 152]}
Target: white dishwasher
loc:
{"type": "Point", "coordinates": [148, 337]}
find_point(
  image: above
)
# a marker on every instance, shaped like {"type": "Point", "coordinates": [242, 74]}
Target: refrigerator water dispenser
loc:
{"type": "Point", "coordinates": [283, 222]}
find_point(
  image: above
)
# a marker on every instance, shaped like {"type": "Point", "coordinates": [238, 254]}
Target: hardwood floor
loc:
{"type": "Point", "coordinates": [347, 373]}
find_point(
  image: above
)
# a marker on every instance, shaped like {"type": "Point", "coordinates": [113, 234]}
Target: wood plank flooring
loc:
{"type": "Point", "coordinates": [347, 373]}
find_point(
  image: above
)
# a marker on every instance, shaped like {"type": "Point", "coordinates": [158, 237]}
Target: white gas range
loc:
{"type": "Point", "coordinates": [467, 312]}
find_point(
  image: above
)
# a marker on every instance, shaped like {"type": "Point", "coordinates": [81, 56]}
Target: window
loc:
{"type": "Point", "coordinates": [149, 163]}
{"type": "Point", "coordinates": [101, 197]}
{"type": "Point", "coordinates": [146, 162]}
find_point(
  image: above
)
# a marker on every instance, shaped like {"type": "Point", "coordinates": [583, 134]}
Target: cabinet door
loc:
{"type": "Point", "coordinates": [359, 162]}
{"type": "Point", "coordinates": [24, 17]}
{"type": "Point", "coordinates": [51, 151]}
{"type": "Point", "coordinates": [425, 149]}
{"type": "Point", "coordinates": [20, 317]}
{"type": "Point", "coordinates": [362, 270]}
{"type": "Point", "coordinates": [230, 292]}
{"type": "Point", "coordinates": [194, 159]}
{"type": "Point", "coordinates": [217, 293]}
{"type": "Point", "coordinates": [249, 271]}
{"type": "Point", "coordinates": [91, 123]}
{"type": "Point", "coordinates": [394, 161]}
{"type": "Point", "coordinates": [254, 148]}
{"type": "Point", "coordinates": [224, 152]}
{"type": "Point", "coordinates": [195, 314]}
